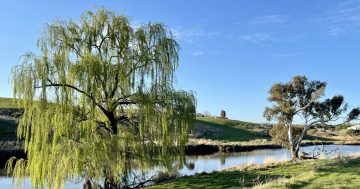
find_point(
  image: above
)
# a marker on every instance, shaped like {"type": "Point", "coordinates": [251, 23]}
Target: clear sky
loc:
{"type": "Point", "coordinates": [231, 51]}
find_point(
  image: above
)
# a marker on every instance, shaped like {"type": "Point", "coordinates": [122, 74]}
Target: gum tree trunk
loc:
{"type": "Point", "coordinates": [294, 148]}
{"type": "Point", "coordinates": [294, 152]}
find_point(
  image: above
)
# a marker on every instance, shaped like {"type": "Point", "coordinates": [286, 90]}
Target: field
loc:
{"type": "Point", "coordinates": [340, 173]}
{"type": "Point", "coordinates": [8, 103]}
{"type": "Point", "coordinates": [228, 130]}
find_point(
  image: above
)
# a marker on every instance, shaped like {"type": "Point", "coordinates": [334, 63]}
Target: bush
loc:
{"type": "Point", "coordinates": [342, 127]}
{"type": "Point", "coordinates": [352, 132]}
{"type": "Point", "coordinates": [279, 134]}
{"type": "Point", "coordinates": [167, 176]}
{"type": "Point", "coordinates": [311, 131]}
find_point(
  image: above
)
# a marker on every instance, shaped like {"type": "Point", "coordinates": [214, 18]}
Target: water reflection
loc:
{"type": "Point", "coordinates": [218, 161]}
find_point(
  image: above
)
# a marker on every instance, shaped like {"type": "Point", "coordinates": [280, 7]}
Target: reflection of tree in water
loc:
{"type": "Point", "coordinates": [190, 164]}
{"type": "Point", "coordinates": [222, 159]}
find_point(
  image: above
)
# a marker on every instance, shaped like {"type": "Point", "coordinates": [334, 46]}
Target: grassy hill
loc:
{"type": "Point", "coordinates": [8, 103]}
{"type": "Point", "coordinates": [228, 130]}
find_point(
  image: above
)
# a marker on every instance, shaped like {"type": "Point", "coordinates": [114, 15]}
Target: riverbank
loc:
{"type": "Point", "coordinates": [10, 147]}
{"type": "Point", "coordinates": [203, 147]}
{"type": "Point", "coordinates": [336, 173]}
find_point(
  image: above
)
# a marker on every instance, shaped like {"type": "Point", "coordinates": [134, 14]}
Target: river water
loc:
{"type": "Point", "coordinates": [219, 161]}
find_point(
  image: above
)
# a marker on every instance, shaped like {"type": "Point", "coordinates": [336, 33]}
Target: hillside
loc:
{"type": "Point", "coordinates": [227, 130]}
{"type": "Point", "coordinates": [8, 103]}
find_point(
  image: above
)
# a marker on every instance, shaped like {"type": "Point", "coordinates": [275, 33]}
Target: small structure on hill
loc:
{"type": "Point", "coordinates": [223, 114]}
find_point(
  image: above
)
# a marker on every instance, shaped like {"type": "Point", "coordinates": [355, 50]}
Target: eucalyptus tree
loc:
{"type": "Point", "coordinates": [301, 99]}
{"type": "Point", "coordinates": [99, 102]}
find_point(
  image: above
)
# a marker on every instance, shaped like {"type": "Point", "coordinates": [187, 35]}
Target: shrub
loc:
{"type": "Point", "coordinates": [312, 131]}
{"type": "Point", "coordinates": [342, 127]}
{"type": "Point", "coordinates": [279, 134]}
{"type": "Point", "coordinates": [167, 176]}
{"type": "Point", "coordinates": [352, 132]}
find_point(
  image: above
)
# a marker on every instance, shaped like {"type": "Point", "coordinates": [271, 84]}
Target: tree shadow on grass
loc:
{"type": "Point", "coordinates": [341, 167]}
{"type": "Point", "coordinates": [339, 174]}
{"type": "Point", "coordinates": [219, 180]}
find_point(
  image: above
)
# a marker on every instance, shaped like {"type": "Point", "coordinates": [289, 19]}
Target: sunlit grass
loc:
{"type": "Point", "coordinates": [8, 103]}
{"type": "Point", "coordinates": [230, 130]}
{"type": "Point", "coordinates": [336, 173]}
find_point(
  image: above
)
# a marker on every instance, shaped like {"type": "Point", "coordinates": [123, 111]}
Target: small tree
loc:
{"type": "Point", "coordinates": [99, 101]}
{"type": "Point", "coordinates": [223, 114]}
{"type": "Point", "coordinates": [300, 99]}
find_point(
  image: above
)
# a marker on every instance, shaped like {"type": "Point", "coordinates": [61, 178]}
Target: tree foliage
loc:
{"type": "Point", "coordinates": [279, 134]}
{"type": "Point", "coordinates": [301, 98]}
{"type": "Point", "coordinates": [99, 101]}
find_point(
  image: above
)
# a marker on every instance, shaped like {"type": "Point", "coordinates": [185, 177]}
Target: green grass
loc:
{"type": "Point", "coordinates": [8, 103]}
{"type": "Point", "coordinates": [226, 122]}
{"type": "Point", "coordinates": [230, 130]}
{"type": "Point", "coordinates": [306, 174]}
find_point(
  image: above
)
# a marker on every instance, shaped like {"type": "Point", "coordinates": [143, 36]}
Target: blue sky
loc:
{"type": "Point", "coordinates": [231, 51]}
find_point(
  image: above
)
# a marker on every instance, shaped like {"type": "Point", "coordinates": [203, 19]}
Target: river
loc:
{"type": "Point", "coordinates": [219, 161]}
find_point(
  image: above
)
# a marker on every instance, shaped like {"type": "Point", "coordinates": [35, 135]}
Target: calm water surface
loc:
{"type": "Point", "coordinates": [219, 161]}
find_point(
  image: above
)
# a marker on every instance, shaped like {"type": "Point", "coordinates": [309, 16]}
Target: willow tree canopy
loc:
{"type": "Point", "coordinates": [99, 101]}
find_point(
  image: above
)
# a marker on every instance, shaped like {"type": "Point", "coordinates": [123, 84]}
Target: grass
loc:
{"type": "Point", "coordinates": [226, 122]}
{"type": "Point", "coordinates": [229, 130]}
{"type": "Point", "coordinates": [341, 173]}
{"type": "Point", "coordinates": [8, 103]}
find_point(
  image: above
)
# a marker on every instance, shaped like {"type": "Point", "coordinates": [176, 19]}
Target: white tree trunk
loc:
{"type": "Point", "coordinates": [294, 147]}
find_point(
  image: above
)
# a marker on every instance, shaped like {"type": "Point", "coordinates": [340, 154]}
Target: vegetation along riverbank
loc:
{"type": "Point", "coordinates": [208, 135]}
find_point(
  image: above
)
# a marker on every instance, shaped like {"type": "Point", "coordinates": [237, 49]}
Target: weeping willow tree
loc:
{"type": "Point", "coordinates": [99, 102]}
